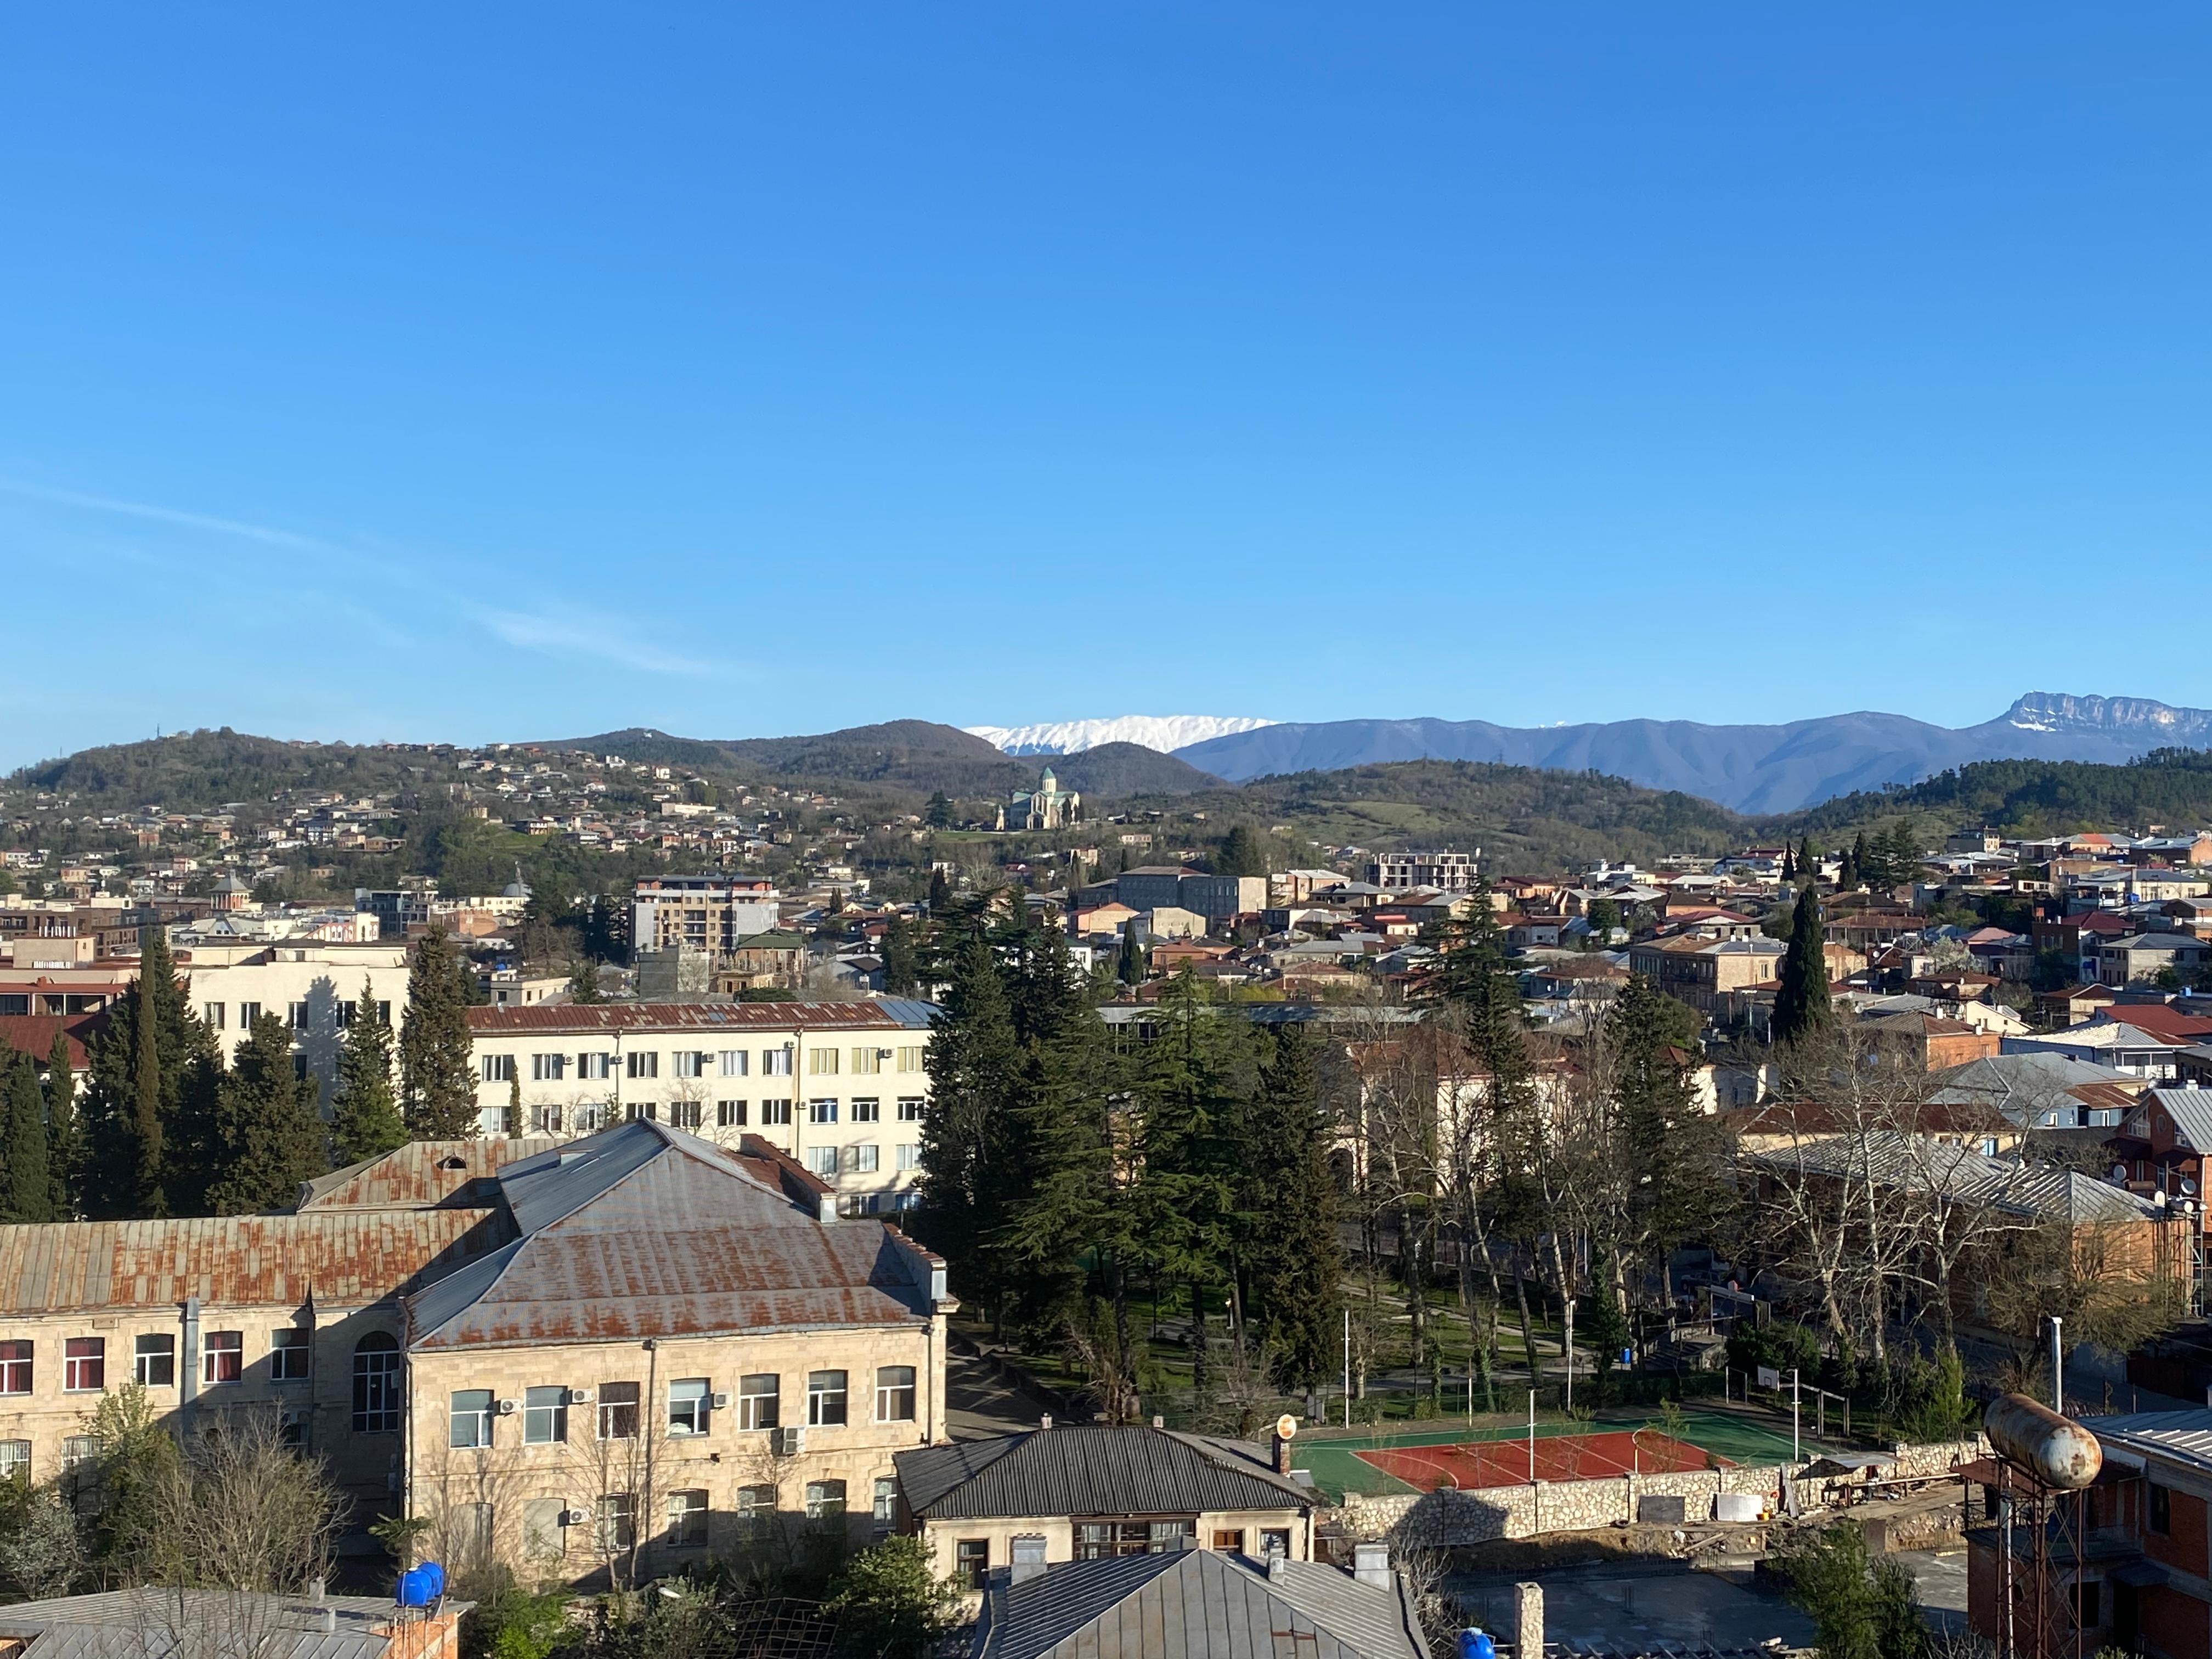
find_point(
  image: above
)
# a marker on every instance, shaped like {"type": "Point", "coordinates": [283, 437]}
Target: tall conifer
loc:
{"type": "Point", "coordinates": [437, 1066]}
{"type": "Point", "coordinates": [1297, 1261]}
{"type": "Point", "coordinates": [366, 1121]}
{"type": "Point", "coordinates": [64, 1139]}
{"type": "Point", "coordinates": [26, 1182]}
{"type": "Point", "coordinates": [1802, 1002]}
{"type": "Point", "coordinates": [267, 1137]}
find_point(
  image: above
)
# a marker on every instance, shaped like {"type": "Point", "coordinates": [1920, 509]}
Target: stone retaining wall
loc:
{"type": "Point", "coordinates": [1440, 1520]}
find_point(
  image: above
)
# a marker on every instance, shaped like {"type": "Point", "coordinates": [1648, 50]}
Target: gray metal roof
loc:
{"type": "Point", "coordinates": [149, 1624]}
{"type": "Point", "coordinates": [1886, 1158]}
{"type": "Point", "coordinates": [1195, 1604]}
{"type": "Point", "coordinates": [645, 1231]}
{"type": "Point", "coordinates": [2191, 1112]}
{"type": "Point", "coordinates": [1093, 1470]}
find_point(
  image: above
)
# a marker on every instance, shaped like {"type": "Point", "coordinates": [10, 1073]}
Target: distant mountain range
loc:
{"type": "Point", "coordinates": [1165, 733]}
{"type": "Point", "coordinates": [1752, 768]}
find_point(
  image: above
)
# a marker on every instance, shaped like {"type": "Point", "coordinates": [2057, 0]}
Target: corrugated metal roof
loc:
{"type": "Point", "coordinates": [643, 1231]}
{"type": "Point", "coordinates": [2191, 1112]}
{"type": "Point", "coordinates": [420, 1176]}
{"type": "Point", "coordinates": [166, 1624]}
{"type": "Point", "coordinates": [585, 1019]}
{"type": "Point", "coordinates": [2185, 1435]}
{"type": "Point", "coordinates": [1195, 1604]}
{"type": "Point", "coordinates": [1093, 1471]}
{"type": "Point", "coordinates": [343, 1259]}
{"type": "Point", "coordinates": [1920, 1163]}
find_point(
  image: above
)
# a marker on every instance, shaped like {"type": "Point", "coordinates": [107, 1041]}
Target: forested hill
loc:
{"type": "Point", "coordinates": [195, 771]}
{"type": "Point", "coordinates": [2172, 787]}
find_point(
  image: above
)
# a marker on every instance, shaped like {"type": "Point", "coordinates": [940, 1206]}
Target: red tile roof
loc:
{"type": "Point", "coordinates": [662, 1016]}
{"type": "Point", "coordinates": [33, 1035]}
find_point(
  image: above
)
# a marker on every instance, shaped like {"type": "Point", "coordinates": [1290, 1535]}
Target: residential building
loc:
{"type": "Point", "coordinates": [1454, 872]}
{"type": "Point", "coordinates": [708, 913]}
{"type": "Point", "coordinates": [839, 1087]}
{"type": "Point", "coordinates": [1710, 975]}
{"type": "Point", "coordinates": [313, 986]}
{"type": "Point", "coordinates": [2138, 958]}
{"type": "Point", "coordinates": [2111, 1043]}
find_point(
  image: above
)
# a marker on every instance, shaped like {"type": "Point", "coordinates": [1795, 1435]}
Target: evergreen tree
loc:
{"type": "Point", "coordinates": [938, 815]}
{"type": "Point", "coordinates": [1788, 863]}
{"type": "Point", "coordinates": [366, 1119]}
{"type": "Point", "coordinates": [1854, 861]}
{"type": "Point", "coordinates": [1802, 1002]}
{"type": "Point", "coordinates": [150, 1070]}
{"type": "Point", "coordinates": [901, 975]}
{"type": "Point", "coordinates": [973, 1057]}
{"type": "Point", "coordinates": [26, 1181]}
{"type": "Point", "coordinates": [1296, 1261]}
{"type": "Point", "coordinates": [64, 1136]}
{"type": "Point", "coordinates": [584, 983]}
{"type": "Point", "coordinates": [1129, 967]}
{"type": "Point", "coordinates": [940, 893]}
{"type": "Point", "coordinates": [1676, 1152]}
{"type": "Point", "coordinates": [437, 1066]}
{"type": "Point", "coordinates": [1241, 855]}
{"type": "Point", "coordinates": [268, 1137]}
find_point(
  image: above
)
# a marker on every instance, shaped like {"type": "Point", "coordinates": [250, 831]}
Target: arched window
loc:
{"type": "Point", "coordinates": [376, 1384]}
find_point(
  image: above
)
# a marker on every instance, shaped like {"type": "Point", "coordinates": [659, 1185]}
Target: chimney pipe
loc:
{"type": "Point", "coordinates": [1370, 1564]}
{"type": "Point", "coordinates": [1045, 1422]}
{"type": "Point", "coordinates": [1282, 1455]}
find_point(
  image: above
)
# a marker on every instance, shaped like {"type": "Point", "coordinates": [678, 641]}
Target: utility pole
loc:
{"type": "Point", "coordinates": [1532, 1436]}
{"type": "Point", "coordinates": [2057, 1366]}
{"type": "Point", "coordinates": [1793, 1414]}
{"type": "Point", "coordinates": [1570, 1346]}
{"type": "Point", "coordinates": [1348, 1367]}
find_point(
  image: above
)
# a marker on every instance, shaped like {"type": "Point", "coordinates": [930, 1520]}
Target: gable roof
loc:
{"type": "Point", "coordinates": [1195, 1604]}
{"type": "Point", "coordinates": [421, 1175]}
{"type": "Point", "coordinates": [2190, 1110]}
{"type": "Point", "coordinates": [642, 1230]}
{"type": "Point", "coordinates": [1093, 1470]}
{"type": "Point", "coordinates": [550, 1018]}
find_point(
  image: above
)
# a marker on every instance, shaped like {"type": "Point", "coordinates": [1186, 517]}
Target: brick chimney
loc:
{"type": "Point", "coordinates": [1282, 1454]}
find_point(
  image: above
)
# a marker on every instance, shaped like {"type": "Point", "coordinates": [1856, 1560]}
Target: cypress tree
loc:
{"type": "Point", "coordinates": [1129, 967]}
{"type": "Point", "coordinates": [65, 1143]}
{"type": "Point", "coordinates": [1297, 1261]}
{"type": "Point", "coordinates": [899, 974]}
{"type": "Point", "coordinates": [146, 1129]}
{"type": "Point", "coordinates": [1788, 863]}
{"type": "Point", "coordinates": [1802, 1002]}
{"type": "Point", "coordinates": [940, 893]}
{"type": "Point", "coordinates": [267, 1136]}
{"type": "Point", "coordinates": [26, 1181]}
{"type": "Point", "coordinates": [366, 1121]}
{"type": "Point", "coordinates": [150, 1067]}
{"type": "Point", "coordinates": [1856, 860]}
{"type": "Point", "coordinates": [437, 1066]}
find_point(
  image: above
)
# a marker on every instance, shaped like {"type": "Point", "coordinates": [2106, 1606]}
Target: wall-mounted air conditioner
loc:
{"type": "Point", "coordinates": [507, 1407]}
{"type": "Point", "coordinates": [579, 1397]}
{"type": "Point", "coordinates": [720, 1402]}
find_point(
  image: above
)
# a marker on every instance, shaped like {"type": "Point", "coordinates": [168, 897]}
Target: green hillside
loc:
{"type": "Point", "coordinates": [2172, 787]}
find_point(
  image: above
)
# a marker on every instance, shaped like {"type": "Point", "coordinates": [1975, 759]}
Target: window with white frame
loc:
{"type": "Point", "coordinates": [84, 1363]}
{"type": "Point", "coordinates": [687, 1520]}
{"type": "Point", "coordinates": [496, 1069]}
{"type": "Point", "coordinates": [15, 1461]}
{"type": "Point", "coordinates": [548, 1068]}
{"type": "Point", "coordinates": [825, 1399]}
{"type": "Point", "coordinates": [822, 1161]}
{"type": "Point", "coordinates": [644, 1063]}
{"type": "Point", "coordinates": [821, 1111]}
{"type": "Point", "coordinates": [867, 1111]}
{"type": "Point", "coordinates": [730, 1114]}
{"type": "Point", "coordinates": [910, 1157]}
{"type": "Point", "coordinates": [759, 1395]}
{"type": "Point", "coordinates": [546, 1120]}
{"type": "Point", "coordinates": [731, 1062]}
{"type": "Point", "coordinates": [617, 1523]}
{"type": "Point", "coordinates": [154, 1360]}
{"type": "Point", "coordinates": [687, 1405]}
{"type": "Point", "coordinates": [690, 1064]}
{"type": "Point", "coordinates": [865, 1062]}
{"type": "Point", "coordinates": [825, 1500]}
{"type": "Point", "coordinates": [913, 1057]}
{"type": "Point", "coordinates": [775, 1113]}
{"type": "Point", "coordinates": [886, 1508]}
{"type": "Point", "coordinates": [776, 1062]}
{"type": "Point", "coordinates": [545, 1416]}
{"type": "Point", "coordinates": [290, 1349]}
{"type": "Point", "coordinates": [910, 1108]}
{"type": "Point", "coordinates": [595, 1068]}
{"type": "Point", "coordinates": [861, 1160]}
{"type": "Point", "coordinates": [755, 1512]}
{"type": "Point", "coordinates": [211, 1014]}
{"type": "Point", "coordinates": [222, 1357]}
{"type": "Point", "coordinates": [894, 1394]}
{"type": "Point", "coordinates": [469, 1424]}
{"type": "Point", "coordinates": [685, 1114]}
{"type": "Point", "coordinates": [821, 1062]}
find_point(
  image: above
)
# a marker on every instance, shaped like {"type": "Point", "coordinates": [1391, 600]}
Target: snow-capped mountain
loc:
{"type": "Point", "coordinates": [1161, 732]}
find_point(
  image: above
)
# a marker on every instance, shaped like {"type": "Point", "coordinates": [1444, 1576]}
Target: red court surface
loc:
{"type": "Point", "coordinates": [1559, 1457]}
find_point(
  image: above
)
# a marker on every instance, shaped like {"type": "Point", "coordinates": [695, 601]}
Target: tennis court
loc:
{"type": "Point", "coordinates": [1552, 1457]}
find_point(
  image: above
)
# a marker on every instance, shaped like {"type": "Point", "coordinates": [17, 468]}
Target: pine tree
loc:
{"type": "Point", "coordinates": [1129, 967]}
{"type": "Point", "coordinates": [268, 1137]}
{"type": "Point", "coordinates": [974, 1058]}
{"type": "Point", "coordinates": [1674, 1150]}
{"type": "Point", "coordinates": [1241, 855]}
{"type": "Point", "coordinates": [437, 1067]}
{"type": "Point", "coordinates": [900, 973]}
{"type": "Point", "coordinates": [25, 1181]}
{"type": "Point", "coordinates": [584, 983]}
{"type": "Point", "coordinates": [146, 1126]}
{"type": "Point", "coordinates": [65, 1138]}
{"type": "Point", "coordinates": [938, 815]}
{"type": "Point", "coordinates": [366, 1119]}
{"type": "Point", "coordinates": [940, 893]}
{"type": "Point", "coordinates": [1802, 1002]}
{"type": "Point", "coordinates": [1296, 1261]}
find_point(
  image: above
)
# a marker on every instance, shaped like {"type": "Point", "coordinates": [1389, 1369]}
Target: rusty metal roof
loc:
{"type": "Point", "coordinates": [645, 1231]}
{"type": "Point", "coordinates": [422, 1174]}
{"type": "Point", "coordinates": [345, 1259]}
{"type": "Point", "coordinates": [579, 1017]}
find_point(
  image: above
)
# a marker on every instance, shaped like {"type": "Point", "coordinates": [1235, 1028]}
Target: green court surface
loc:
{"type": "Point", "coordinates": [1332, 1453]}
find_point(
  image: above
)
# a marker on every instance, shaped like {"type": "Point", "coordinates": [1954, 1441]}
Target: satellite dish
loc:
{"type": "Point", "coordinates": [2120, 1174]}
{"type": "Point", "coordinates": [1286, 1427]}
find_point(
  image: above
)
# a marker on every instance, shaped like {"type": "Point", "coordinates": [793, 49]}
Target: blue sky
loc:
{"type": "Point", "coordinates": [468, 373]}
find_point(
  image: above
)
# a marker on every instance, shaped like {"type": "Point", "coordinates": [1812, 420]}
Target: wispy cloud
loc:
{"type": "Point", "coordinates": [559, 631]}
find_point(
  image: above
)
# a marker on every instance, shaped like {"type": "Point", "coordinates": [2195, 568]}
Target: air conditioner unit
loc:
{"type": "Point", "coordinates": [507, 1407]}
{"type": "Point", "coordinates": [720, 1402]}
{"type": "Point", "coordinates": [882, 1054]}
{"type": "Point", "coordinates": [579, 1397]}
{"type": "Point", "coordinates": [573, 1518]}
{"type": "Point", "coordinates": [788, 1442]}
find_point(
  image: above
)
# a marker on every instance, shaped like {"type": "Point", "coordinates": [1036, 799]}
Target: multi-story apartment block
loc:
{"type": "Point", "coordinates": [708, 913]}
{"type": "Point", "coordinates": [313, 986]}
{"type": "Point", "coordinates": [838, 1087]}
{"type": "Point", "coordinates": [1454, 872]}
{"type": "Point", "coordinates": [612, 1357]}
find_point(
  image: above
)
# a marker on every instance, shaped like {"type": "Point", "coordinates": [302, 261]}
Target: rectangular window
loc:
{"type": "Point", "coordinates": [469, 1423]}
{"type": "Point", "coordinates": [223, 1359]}
{"type": "Point", "coordinates": [544, 1416]}
{"type": "Point", "coordinates": [617, 1523]}
{"type": "Point", "coordinates": [689, 1064]}
{"type": "Point", "coordinates": [153, 1361]}
{"type": "Point", "coordinates": [2161, 1510]}
{"type": "Point", "coordinates": [546, 1120]}
{"type": "Point", "coordinates": [886, 1503]}
{"type": "Point", "coordinates": [79, 1450]}
{"type": "Point", "coordinates": [825, 1399]}
{"type": "Point", "coordinates": [548, 1068]}
{"type": "Point", "coordinates": [755, 1512]}
{"type": "Point", "coordinates": [910, 1108]}
{"type": "Point", "coordinates": [865, 1063]}
{"type": "Point", "coordinates": [759, 1395]}
{"type": "Point", "coordinates": [894, 1394]}
{"type": "Point", "coordinates": [644, 1064]}
{"type": "Point", "coordinates": [730, 1114]}
{"type": "Point", "coordinates": [971, 1563]}
{"type": "Point", "coordinates": [345, 1013]}
{"type": "Point", "coordinates": [867, 1111]}
{"type": "Point", "coordinates": [775, 1113]}
{"type": "Point", "coordinates": [211, 1013]}
{"type": "Point", "coordinates": [1275, 1540]}
{"type": "Point", "coordinates": [15, 1459]}
{"type": "Point", "coordinates": [595, 1068]}
{"type": "Point", "coordinates": [821, 1062]}
{"type": "Point", "coordinates": [290, 1350]}
{"type": "Point", "coordinates": [731, 1062]}
{"type": "Point", "coordinates": [618, 1411]}
{"type": "Point", "coordinates": [825, 1500]}
{"type": "Point", "coordinates": [822, 1161]}
{"type": "Point", "coordinates": [295, 1016]}
{"type": "Point", "coordinates": [685, 1114]}
{"type": "Point", "coordinates": [248, 1013]}
{"type": "Point", "coordinates": [688, 1405]}
{"type": "Point", "coordinates": [687, 1520]}
{"type": "Point", "coordinates": [821, 1111]}
{"type": "Point", "coordinates": [543, 1537]}
{"type": "Point", "coordinates": [910, 1058]}
{"type": "Point", "coordinates": [776, 1062]}
{"type": "Point", "coordinates": [496, 1069]}
{"type": "Point", "coordinates": [634, 1109]}
{"type": "Point", "coordinates": [910, 1157]}
{"type": "Point", "coordinates": [292, 1428]}
{"type": "Point", "coordinates": [84, 1363]}
{"type": "Point", "coordinates": [861, 1160]}
{"type": "Point", "coordinates": [1228, 1541]}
